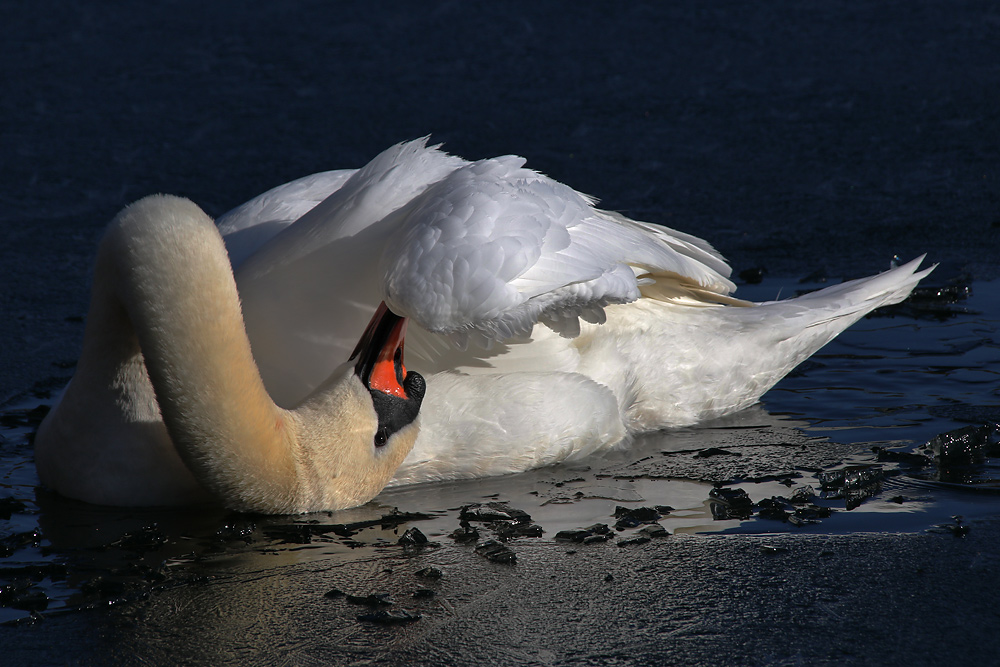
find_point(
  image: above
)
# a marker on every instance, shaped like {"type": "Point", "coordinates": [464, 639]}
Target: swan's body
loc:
{"type": "Point", "coordinates": [672, 352]}
{"type": "Point", "coordinates": [586, 327]}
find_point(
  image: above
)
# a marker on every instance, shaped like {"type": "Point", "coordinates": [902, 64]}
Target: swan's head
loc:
{"type": "Point", "coordinates": [396, 393]}
{"type": "Point", "coordinates": [364, 420]}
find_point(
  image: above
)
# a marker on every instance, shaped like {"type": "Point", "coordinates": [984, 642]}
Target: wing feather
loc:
{"type": "Point", "coordinates": [480, 251]}
{"type": "Point", "coordinates": [252, 224]}
{"type": "Point", "coordinates": [495, 247]}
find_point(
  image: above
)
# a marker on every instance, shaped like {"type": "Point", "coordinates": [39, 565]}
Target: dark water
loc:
{"type": "Point", "coordinates": [893, 378]}
{"type": "Point", "coordinates": [896, 380]}
{"type": "Point", "coordinates": [791, 135]}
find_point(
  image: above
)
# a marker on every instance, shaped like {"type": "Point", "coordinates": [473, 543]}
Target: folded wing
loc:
{"type": "Point", "coordinates": [494, 247]}
{"type": "Point", "coordinates": [474, 250]}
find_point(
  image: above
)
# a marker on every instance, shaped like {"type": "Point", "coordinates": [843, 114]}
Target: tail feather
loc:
{"type": "Point", "coordinates": [847, 302]}
{"type": "Point", "coordinates": [747, 350]}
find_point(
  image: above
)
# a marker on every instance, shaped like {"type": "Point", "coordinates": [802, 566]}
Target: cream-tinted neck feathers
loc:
{"type": "Point", "coordinates": [163, 285]}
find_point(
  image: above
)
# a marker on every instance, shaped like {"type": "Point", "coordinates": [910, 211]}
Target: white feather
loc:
{"type": "Point", "coordinates": [252, 224]}
{"type": "Point", "coordinates": [641, 331]}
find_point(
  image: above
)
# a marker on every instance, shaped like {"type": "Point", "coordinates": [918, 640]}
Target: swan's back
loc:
{"type": "Point", "coordinates": [479, 250]}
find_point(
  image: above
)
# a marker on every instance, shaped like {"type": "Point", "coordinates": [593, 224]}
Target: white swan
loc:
{"type": "Point", "coordinates": [480, 252]}
{"type": "Point", "coordinates": [166, 386]}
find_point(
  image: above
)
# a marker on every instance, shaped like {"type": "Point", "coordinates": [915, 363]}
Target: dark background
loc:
{"type": "Point", "coordinates": [793, 135]}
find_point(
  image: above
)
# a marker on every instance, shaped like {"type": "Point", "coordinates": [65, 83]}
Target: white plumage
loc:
{"type": "Point", "coordinates": [585, 326]}
{"type": "Point", "coordinates": [495, 247]}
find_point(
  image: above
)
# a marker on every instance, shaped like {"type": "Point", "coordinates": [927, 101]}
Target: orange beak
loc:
{"type": "Point", "coordinates": [380, 353]}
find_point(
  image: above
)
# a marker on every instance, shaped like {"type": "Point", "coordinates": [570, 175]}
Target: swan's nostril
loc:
{"type": "Point", "coordinates": [397, 360]}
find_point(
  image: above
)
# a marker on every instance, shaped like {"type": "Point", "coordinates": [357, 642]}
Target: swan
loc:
{"type": "Point", "coordinates": [167, 405]}
{"type": "Point", "coordinates": [546, 328]}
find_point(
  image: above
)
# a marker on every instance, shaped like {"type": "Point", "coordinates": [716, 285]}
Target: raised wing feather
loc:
{"type": "Point", "coordinates": [494, 248]}
{"type": "Point", "coordinates": [252, 224]}
{"type": "Point", "coordinates": [483, 249]}
{"type": "Point", "coordinates": [308, 291]}
{"type": "Point", "coordinates": [391, 180]}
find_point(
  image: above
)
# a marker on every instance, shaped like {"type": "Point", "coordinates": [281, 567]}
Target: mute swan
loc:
{"type": "Point", "coordinates": [165, 337]}
{"type": "Point", "coordinates": [547, 329]}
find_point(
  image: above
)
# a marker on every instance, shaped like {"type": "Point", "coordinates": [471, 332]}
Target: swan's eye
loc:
{"type": "Point", "coordinates": [395, 412]}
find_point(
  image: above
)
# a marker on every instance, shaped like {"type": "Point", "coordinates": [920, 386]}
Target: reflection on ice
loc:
{"type": "Point", "coordinates": [838, 446]}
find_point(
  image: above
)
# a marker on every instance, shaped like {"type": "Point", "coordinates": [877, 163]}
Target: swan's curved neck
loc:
{"type": "Point", "coordinates": [165, 339]}
{"type": "Point", "coordinates": [167, 266]}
